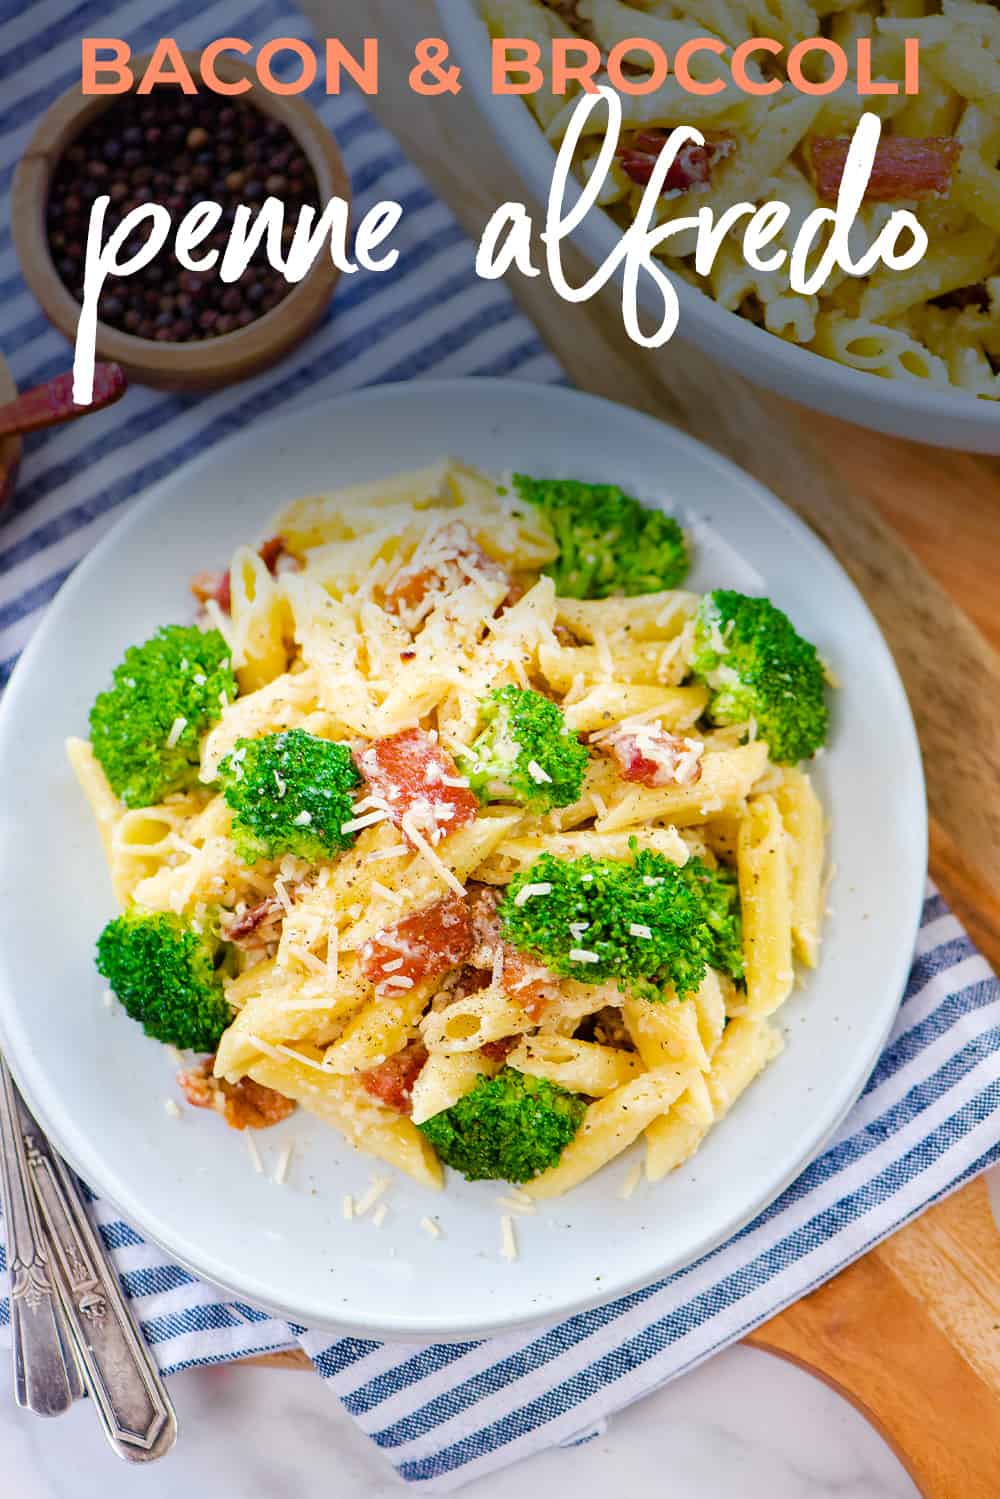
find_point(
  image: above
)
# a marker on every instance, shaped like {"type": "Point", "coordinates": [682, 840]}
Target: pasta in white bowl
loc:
{"type": "Point", "coordinates": [929, 333]}
{"type": "Point", "coordinates": [412, 1260]}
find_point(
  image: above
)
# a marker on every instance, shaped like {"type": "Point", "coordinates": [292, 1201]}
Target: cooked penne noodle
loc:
{"type": "Point", "coordinates": [765, 895]}
{"type": "Point", "coordinates": [609, 1127]}
{"type": "Point", "coordinates": [580, 1066]}
{"type": "Point", "coordinates": [802, 816]}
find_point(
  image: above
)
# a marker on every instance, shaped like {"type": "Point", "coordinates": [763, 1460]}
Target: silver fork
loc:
{"type": "Point", "coordinates": [120, 1375]}
{"type": "Point", "coordinates": [46, 1375]}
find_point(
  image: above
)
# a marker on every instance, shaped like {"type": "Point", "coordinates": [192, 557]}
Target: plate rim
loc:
{"type": "Point", "coordinates": [415, 1330]}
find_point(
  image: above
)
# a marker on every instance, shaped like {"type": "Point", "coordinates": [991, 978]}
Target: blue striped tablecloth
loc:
{"type": "Point", "coordinates": [928, 1119]}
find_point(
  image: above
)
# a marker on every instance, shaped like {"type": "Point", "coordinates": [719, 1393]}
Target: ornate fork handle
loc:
{"type": "Point", "coordinates": [135, 1409]}
{"type": "Point", "coordinates": [46, 1377]}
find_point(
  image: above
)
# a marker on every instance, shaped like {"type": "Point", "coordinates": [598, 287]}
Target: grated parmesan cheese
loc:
{"type": "Point", "coordinates": [280, 1051]}
{"type": "Point", "coordinates": [176, 730]}
{"type": "Point", "coordinates": [390, 895]}
{"type": "Point", "coordinates": [527, 892]}
{"type": "Point", "coordinates": [431, 1228]}
{"type": "Point", "coordinates": [377, 1188]}
{"type": "Point", "coordinates": [348, 1207]}
{"type": "Point", "coordinates": [583, 955]}
{"type": "Point", "coordinates": [398, 851]}
{"type": "Point", "coordinates": [640, 929]}
{"type": "Point", "coordinates": [516, 1204]}
{"type": "Point", "coordinates": [284, 1161]}
{"type": "Point", "coordinates": [258, 1164]}
{"type": "Point", "coordinates": [303, 820]}
{"type": "Point", "coordinates": [378, 1217]}
{"type": "Point", "coordinates": [632, 1180]}
{"type": "Point", "coordinates": [355, 824]}
{"type": "Point", "coordinates": [170, 1107]}
{"type": "Point", "coordinates": [508, 1238]}
{"type": "Point", "coordinates": [439, 867]}
{"type": "Point", "coordinates": [538, 775]}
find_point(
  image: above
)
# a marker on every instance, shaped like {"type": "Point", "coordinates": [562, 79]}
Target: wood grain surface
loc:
{"type": "Point", "coordinates": [910, 1332]}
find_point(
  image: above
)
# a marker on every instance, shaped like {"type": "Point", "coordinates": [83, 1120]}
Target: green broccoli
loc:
{"type": "Point", "coordinates": [748, 653]}
{"type": "Point", "coordinates": [291, 793]}
{"type": "Point", "coordinates": [608, 542]}
{"type": "Point", "coordinates": [146, 729]}
{"type": "Point", "coordinates": [163, 972]}
{"type": "Point", "coordinates": [648, 923]}
{"type": "Point", "coordinates": [720, 898]}
{"type": "Point", "coordinates": [509, 1128]}
{"type": "Point", "coordinates": [527, 753]}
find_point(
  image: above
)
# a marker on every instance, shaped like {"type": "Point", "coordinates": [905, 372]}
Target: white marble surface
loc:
{"type": "Point", "coordinates": [744, 1426]}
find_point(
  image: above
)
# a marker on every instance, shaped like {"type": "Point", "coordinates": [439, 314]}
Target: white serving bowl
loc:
{"type": "Point", "coordinates": [901, 408]}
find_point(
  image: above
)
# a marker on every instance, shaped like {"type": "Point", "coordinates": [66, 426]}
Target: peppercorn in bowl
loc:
{"type": "Point", "coordinates": [166, 324]}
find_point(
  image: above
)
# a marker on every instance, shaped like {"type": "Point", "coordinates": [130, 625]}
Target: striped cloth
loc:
{"type": "Point", "coordinates": [928, 1119]}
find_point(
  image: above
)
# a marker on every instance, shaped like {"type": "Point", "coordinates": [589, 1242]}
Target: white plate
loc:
{"type": "Point", "coordinates": [904, 408]}
{"type": "Point", "coordinates": [98, 1085]}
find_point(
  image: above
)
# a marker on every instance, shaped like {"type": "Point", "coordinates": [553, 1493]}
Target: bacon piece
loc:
{"type": "Point", "coordinates": [499, 1051]}
{"type": "Point", "coordinates": [273, 553]}
{"type": "Point", "coordinates": [522, 978]}
{"type": "Point", "coordinates": [690, 169]}
{"type": "Point", "coordinates": [482, 901]}
{"type": "Point", "coordinates": [527, 982]}
{"type": "Point", "coordinates": [904, 167]}
{"type": "Point", "coordinates": [423, 946]}
{"type": "Point", "coordinates": [976, 296]}
{"type": "Point", "coordinates": [654, 757]}
{"type": "Point", "coordinates": [243, 1105]}
{"type": "Point", "coordinates": [515, 593]}
{"type": "Point", "coordinates": [444, 561]}
{"type": "Point", "coordinates": [409, 773]}
{"type": "Point", "coordinates": [391, 1082]}
{"type": "Point", "coordinates": [255, 927]}
{"type": "Point", "coordinates": [468, 980]}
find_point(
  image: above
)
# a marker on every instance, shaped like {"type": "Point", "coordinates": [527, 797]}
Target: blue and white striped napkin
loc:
{"type": "Point", "coordinates": [930, 1116]}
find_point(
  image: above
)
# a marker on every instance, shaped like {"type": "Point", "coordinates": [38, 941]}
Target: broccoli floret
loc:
{"type": "Point", "coordinates": [608, 542]}
{"type": "Point", "coordinates": [290, 793]}
{"type": "Point", "coordinates": [509, 1128]}
{"type": "Point", "coordinates": [720, 902]}
{"type": "Point", "coordinates": [163, 972]}
{"type": "Point", "coordinates": [648, 923]}
{"type": "Point", "coordinates": [146, 729]}
{"type": "Point", "coordinates": [527, 753]}
{"type": "Point", "coordinates": [749, 654]}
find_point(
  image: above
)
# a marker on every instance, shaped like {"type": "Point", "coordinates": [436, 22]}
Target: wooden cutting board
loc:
{"type": "Point", "coordinates": [911, 1333]}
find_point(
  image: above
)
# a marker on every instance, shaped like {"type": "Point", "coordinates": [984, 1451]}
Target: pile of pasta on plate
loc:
{"type": "Point", "coordinates": [937, 324]}
{"type": "Point", "coordinates": [458, 822]}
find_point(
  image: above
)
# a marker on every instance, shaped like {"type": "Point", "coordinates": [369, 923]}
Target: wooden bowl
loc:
{"type": "Point", "coordinates": [10, 447]}
{"type": "Point", "coordinates": [203, 363]}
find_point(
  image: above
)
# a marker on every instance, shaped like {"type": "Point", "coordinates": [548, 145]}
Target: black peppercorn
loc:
{"type": "Point", "coordinates": [177, 152]}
